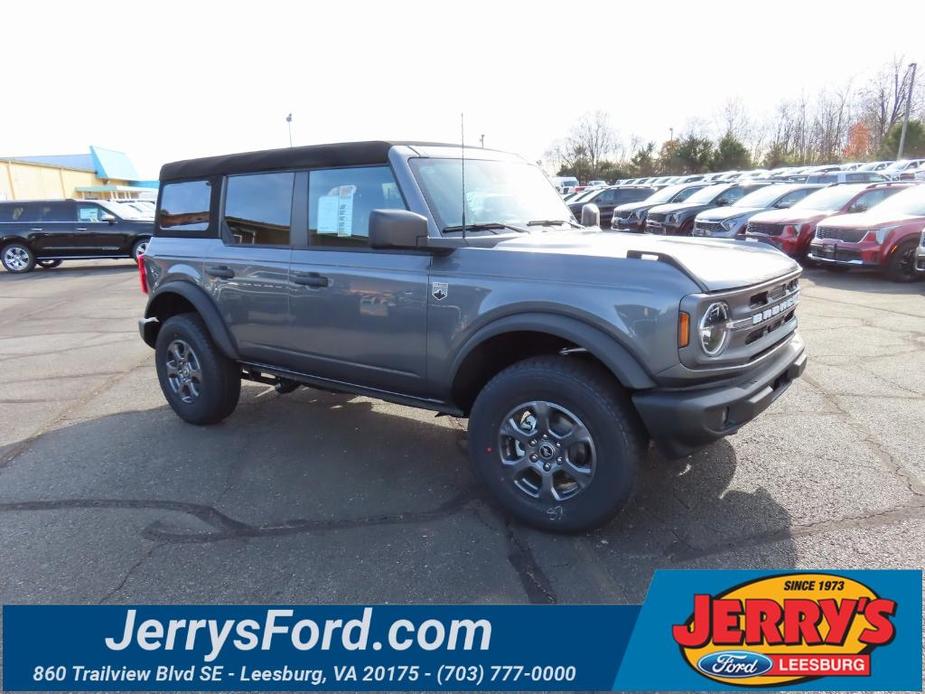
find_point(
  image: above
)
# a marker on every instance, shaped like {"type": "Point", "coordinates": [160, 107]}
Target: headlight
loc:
{"type": "Point", "coordinates": [714, 328]}
{"type": "Point", "coordinates": [672, 218]}
{"type": "Point", "coordinates": [729, 224]}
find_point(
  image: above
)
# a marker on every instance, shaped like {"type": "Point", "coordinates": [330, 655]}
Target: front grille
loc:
{"type": "Point", "coordinates": [656, 216]}
{"type": "Point", "coordinates": [766, 229]}
{"type": "Point", "coordinates": [708, 226]}
{"type": "Point", "coordinates": [850, 235]}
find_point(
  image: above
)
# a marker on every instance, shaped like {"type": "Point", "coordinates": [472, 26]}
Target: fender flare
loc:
{"type": "Point", "coordinates": [626, 367]}
{"type": "Point", "coordinates": [206, 309]}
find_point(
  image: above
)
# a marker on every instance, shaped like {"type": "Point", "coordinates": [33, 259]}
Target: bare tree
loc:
{"type": "Point", "coordinates": [883, 99]}
{"type": "Point", "coordinates": [592, 137]}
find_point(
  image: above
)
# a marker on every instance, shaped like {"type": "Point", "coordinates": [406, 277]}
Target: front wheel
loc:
{"type": "Point", "coordinates": [200, 383]}
{"type": "Point", "coordinates": [901, 266]}
{"type": "Point", "coordinates": [18, 257]}
{"type": "Point", "coordinates": [557, 443]}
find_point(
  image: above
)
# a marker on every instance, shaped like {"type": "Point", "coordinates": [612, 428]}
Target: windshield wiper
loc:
{"type": "Point", "coordinates": [553, 222]}
{"type": "Point", "coordinates": [485, 226]}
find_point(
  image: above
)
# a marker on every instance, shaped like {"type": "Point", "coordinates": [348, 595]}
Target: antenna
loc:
{"type": "Point", "coordinates": [462, 140]}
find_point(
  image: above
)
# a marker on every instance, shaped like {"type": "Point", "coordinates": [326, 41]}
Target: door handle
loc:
{"type": "Point", "coordinates": [223, 271]}
{"type": "Point", "coordinates": [310, 279]}
{"type": "Point", "coordinates": [81, 228]}
{"type": "Point", "coordinates": [36, 229]}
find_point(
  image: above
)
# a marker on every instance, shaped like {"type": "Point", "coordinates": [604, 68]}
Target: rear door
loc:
{"type": "Point", "coordinates": [247, 272]}
{"type": "Point", "coordinates": [51, 227]}
{"type": "Point", "coordinates": [358, 315]}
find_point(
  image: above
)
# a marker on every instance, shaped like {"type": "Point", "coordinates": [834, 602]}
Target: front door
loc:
{"type": "Point", "coordinates": [98, 231]}
{"type": "Point", "coordinates": [358, 315]}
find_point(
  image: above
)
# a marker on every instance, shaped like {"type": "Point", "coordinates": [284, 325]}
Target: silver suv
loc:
{"type": "Point", "coordinates": [458, 281]}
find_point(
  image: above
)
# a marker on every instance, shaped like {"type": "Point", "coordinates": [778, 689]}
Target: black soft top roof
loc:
{"type": "Point", "coordinates": [338, 154]}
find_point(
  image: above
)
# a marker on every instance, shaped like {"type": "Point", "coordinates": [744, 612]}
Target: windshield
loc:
{"type": "Point", "coordinates": [584, 195]}
{"type": "Point", "coordinates": [707, 194]}
{"type": "Point", "coordinates": [909, 202]}
{"type": "Point", "coordinates": [828, 199]}
{"type": "Point", "coordinates": [763, 197]}
{"type": "Point", "coordinates": [509, 192]}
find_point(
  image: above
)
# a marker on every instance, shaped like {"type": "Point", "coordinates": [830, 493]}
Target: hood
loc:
{"type": "Point", "coordinates": [719, 213]}
{"type": "Point", "coordinates": [670, 207]}
{"type": "Point", "coordinates": [717, 264]}
{"type": "Point", "coordinates": [869, 219]}
{"type": "Point", "coordinates": [789, 216]}
{"type": "Point", "coordinates": [633, 206]}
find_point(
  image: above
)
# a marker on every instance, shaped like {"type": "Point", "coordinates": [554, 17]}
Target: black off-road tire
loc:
{"type": "Point", "coordinates": [597, 400]}
{"type": "Point", "coordinates": [21, 260]}
{"type": "Point", "coordinates": [219, 385]}
{"type": "Point", "coordinates": [901, 266]}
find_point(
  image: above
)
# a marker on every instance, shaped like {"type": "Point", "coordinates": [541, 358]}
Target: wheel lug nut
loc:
{"type": "Point", "coordinates": [532, 442]}
{"type": "Point", "coordinates": [559, 459]}
{"type": "Point", "coordinates": [533, 458]}
{"type": "Point", "coordinates": [546, 467]}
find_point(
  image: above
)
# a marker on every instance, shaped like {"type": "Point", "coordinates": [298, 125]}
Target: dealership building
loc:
{"type": "Point", "coordinates": [100, 174]}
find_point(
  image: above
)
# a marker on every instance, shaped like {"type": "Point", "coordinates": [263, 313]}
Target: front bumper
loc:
{"type": "Point", "coordinates": [920, 258]}
{"type": "Point", "coordinates": [845, 253]}
{"type": "Point", "coordinates": [663, 228]}
{"type": "Point", "coordinates": [681, 420]}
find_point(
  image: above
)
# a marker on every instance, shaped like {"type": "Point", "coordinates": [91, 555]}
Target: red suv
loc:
{"type": "Point", "coordinates": [792, 229]}
{"type": "Point", "coordinates": [884, 237]}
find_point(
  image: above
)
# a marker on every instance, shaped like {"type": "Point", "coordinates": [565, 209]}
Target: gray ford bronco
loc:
{"type": "Point", "coordinates": [458, 281]}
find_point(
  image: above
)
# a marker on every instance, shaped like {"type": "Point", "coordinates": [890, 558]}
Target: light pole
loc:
{"type": "Point", "coordinates": [482, 139]}
{"type": "Point", "coordinates": [289, 124]}
{"type": "Point", "coordinates": [902, 134]}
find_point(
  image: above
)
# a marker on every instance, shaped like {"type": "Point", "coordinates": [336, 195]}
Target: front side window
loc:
{"type": "Point", "coordinates": [185, 206]}
{"type": "Point", "coordinates": [90, 213]}
{"type": "Point", "coordinates": [340, 202]}
{"type": "Point", "coordinates": [11, 213]}
{"type": "Point", "coordinates": [258, 208]}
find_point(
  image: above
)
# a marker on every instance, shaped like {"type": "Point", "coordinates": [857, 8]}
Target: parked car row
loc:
{"type": "Point", "coordinates": [839, 226]}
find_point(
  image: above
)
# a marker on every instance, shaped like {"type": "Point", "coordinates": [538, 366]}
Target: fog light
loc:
{"type": "Point", "coordinates": [714, 328]}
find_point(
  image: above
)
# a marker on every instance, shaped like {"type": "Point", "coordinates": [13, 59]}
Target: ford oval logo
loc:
{"type": "Point", "coordinates": [734, 664]}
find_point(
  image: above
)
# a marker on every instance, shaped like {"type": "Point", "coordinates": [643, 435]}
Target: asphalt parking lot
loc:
{"type": "Point", "coordinates": [106, 496]}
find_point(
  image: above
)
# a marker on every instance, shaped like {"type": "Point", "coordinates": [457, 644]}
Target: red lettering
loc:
{"type": "Point", "coordinates": [839, 617]}
{"type": "Point", "coordinates": [726, 629]}
{"type": "Point", "coordinates": [881, 630]}
{"type": "Point", "coordinates": [761, 622]}
{"type": "Point", "coordinates": [698, 632]}
{"type": "Point", "coordinates": [801, 622]}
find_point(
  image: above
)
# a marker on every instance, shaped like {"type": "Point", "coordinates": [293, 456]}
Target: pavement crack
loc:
{"type": "Point", "coordinates": [128, 574]}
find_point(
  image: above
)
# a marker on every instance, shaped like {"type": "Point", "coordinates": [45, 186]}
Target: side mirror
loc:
{"type": "Point", "coordinates": [106, 217]}
{"type": "Point", "coordinates": [397, 229]}
{"type": "Point", "coordinates": [857, 207]}
{"type": "Point", "coordinates": [590, 215]}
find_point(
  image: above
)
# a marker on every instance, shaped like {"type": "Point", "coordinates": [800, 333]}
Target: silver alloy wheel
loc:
{"type": "Point", "coordinates": [183, 372]}
{"type": "Point", "coordinates": [546, 451]}
{"type": "Point", "coordinates": [16, 258]}
{"type": "Point", "coordinates": [140, 249]}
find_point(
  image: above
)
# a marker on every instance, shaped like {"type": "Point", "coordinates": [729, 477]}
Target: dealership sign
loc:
{"type": "Point", "coordinates": [832, 630]}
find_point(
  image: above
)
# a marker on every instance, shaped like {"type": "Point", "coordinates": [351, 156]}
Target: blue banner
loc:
{"type": "Point", "coordinates": [831, 630]}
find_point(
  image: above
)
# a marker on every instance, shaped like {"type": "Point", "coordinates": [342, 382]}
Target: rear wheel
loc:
{"type": "Point", "coordinates": [48, 264]}
{"type": "Point", "coordinates": [556, 442]}
{"type": "Point", "coordinates": [201, 384]}
{"type": "Point", "coordinates": [17, 257]}
{"type": "Point", "coordinates": [139, 248]}
{"type": "Point", "coordinates": [901, 266]}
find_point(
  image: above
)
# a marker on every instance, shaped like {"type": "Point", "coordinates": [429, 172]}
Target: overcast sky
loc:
{"type": "Point", "coordinates": [171, 80]}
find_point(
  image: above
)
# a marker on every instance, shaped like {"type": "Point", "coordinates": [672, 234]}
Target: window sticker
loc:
{"type": "Point", "coordinates": [89, 214]}
{"type": "Point", "coordinates": [335, 211]}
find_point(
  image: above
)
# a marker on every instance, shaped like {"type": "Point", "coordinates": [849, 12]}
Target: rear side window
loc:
{"type": "Point", "coordinates": [185, 206]}
{"type": "Point", "coordinates": [11, 213]}
{"type": "Point", "coordinates": [258, 208]}
{"type": "Point", "coordinates": [341, 200]}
